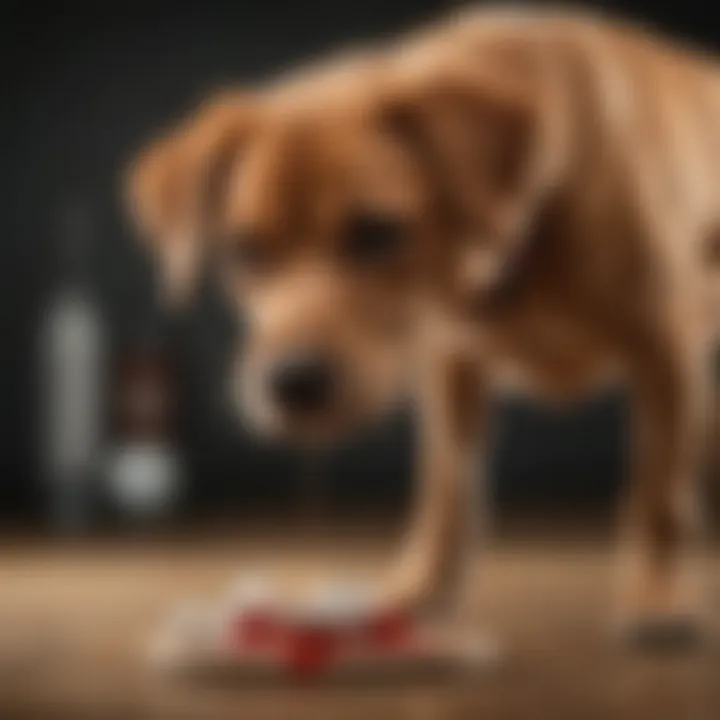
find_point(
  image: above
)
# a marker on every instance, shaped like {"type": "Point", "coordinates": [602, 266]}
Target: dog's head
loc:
{"type": "Point", "coordinates": [335, 209]}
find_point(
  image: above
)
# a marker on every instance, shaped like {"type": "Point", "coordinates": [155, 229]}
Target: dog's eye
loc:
{"type": "Point", "coordinates": [373, 238]}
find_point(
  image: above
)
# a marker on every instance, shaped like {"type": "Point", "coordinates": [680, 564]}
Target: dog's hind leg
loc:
{"type": "Point", "coordinates": [670, 413]}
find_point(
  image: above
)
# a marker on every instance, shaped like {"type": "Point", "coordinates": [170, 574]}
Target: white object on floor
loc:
{"type": "Point", "coordinates": [253, 590]}
{"type": "Point", "coordinates": [333, 604]}
{"type": "Point", "coordinates": [196, 638]}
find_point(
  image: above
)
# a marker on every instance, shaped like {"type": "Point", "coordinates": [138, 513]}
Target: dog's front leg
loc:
{"type": "Point", "coordinates": [452, 417]}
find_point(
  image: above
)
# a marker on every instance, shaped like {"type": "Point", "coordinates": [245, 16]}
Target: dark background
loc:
{"type": "Point", "coordinates": [83, 87]}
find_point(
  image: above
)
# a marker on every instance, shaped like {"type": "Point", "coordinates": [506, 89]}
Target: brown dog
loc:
{"type": "Point", "coordinates": [507, 197]}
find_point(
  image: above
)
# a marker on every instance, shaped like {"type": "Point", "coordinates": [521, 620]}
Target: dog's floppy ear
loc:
{"type": "Point", "coordinates": [175, 188]}
{"type": "Point", "coordinates": [482, 135]}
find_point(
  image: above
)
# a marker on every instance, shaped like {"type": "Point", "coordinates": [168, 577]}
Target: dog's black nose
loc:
{"type": "Point", "coordinates": [304, 383]}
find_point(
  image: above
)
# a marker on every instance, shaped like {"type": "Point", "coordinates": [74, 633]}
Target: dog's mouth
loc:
{"type": "Point", "coordinates": [348, 413]}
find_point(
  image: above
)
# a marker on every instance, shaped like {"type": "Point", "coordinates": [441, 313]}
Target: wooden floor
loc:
{"type": "Point", "coordinates": [73, 621]}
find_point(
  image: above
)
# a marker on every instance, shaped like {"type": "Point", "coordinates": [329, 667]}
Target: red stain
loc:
{"type": "Point", "coordinates": [312, 651]}
{"type": "Point", "coordinates": [389, 630]}
{"type": "Point", "coordinates": [308, 651]}
{"type": "Point", "coordinates": [256, 631]}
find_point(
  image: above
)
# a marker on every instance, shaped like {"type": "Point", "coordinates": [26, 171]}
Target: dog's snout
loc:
{"type": "Point", "coordinates": [303, 383]}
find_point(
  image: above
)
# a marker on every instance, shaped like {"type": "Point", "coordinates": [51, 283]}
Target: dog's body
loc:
{"type": "Point", "coordinates": [512, 197]}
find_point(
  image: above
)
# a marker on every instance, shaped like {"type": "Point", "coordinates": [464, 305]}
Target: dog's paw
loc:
{"type": "Point", "coordinates": [664, 612]}
{"type": "Point", "coordinates": [413, 592]}
{"type": "Point", "coordinates": [664, 632]}
{"type": "Point", "coordinates": [663, 624]}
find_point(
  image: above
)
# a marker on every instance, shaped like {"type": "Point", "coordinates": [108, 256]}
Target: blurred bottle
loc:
{"type": "Point", "coordinates": [72, 352]}
{"type": "Point", "coordinates": [145, 470]}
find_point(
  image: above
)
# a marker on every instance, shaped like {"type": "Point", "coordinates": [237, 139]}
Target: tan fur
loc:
{"type": "Point", "coordinates": [558, 179]}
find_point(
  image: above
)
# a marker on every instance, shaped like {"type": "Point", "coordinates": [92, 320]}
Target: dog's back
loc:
{"type": "Point", "coordinates": [642, 105]}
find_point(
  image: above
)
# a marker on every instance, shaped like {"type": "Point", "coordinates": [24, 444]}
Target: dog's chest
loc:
{"type": "Point", "coordinates": [548, 352]}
